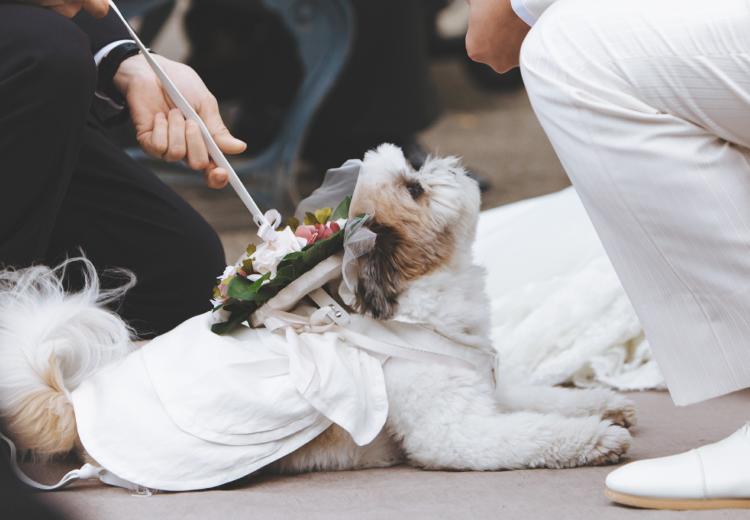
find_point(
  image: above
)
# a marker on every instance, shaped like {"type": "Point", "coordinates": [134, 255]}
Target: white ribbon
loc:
{"type": "Point", "coordinates": [391, 339]}
{"type": "Point", "coordinates": [85, 472]}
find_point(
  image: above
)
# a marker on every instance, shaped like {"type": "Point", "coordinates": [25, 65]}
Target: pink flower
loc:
{"type": "Point", "coordinates": [323, 231]}
{"type": "Point", "coordinates": [314, 232]}
{"type": "Point", "coordinates": [308, 233]}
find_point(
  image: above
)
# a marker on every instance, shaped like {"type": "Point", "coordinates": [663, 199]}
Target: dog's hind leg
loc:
{"type": "Point", "coordinates": [448, 419]}
{"type": "Point", "coordinates": [334, 450]}
{"type": "Point", "coordinates": [570, 402]}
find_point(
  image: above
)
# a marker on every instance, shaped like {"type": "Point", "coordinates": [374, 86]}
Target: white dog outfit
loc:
{"type": "Point", "coordinates": [194, 410]}
{"type": "Point", "coordinates": [647, 105]}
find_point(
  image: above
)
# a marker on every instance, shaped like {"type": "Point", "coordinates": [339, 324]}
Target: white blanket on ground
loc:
{"type": "Point", "coordinates": [559, 313]}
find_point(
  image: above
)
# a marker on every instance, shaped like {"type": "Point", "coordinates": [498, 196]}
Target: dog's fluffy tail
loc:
{"type": "Point", "coordinates": [50, 341]}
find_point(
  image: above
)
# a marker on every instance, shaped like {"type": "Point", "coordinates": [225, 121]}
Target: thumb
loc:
{"type": "Point", "coordinates": [209, 112]}
{"type": "Point", "coordinates": [227, 142]}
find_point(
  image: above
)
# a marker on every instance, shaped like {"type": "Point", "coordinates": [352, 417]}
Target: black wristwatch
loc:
{"type": "Point", "coordinates": [108, 68]}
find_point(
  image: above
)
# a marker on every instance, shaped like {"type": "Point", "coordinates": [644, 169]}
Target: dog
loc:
{"type": "Point", "coordinates": [420, 271]}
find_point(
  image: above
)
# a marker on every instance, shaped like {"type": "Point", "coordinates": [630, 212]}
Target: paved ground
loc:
{"type": "Point", "coordinates": [403, 492]}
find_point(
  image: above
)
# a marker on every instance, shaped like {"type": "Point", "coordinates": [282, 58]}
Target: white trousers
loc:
{"type": "Point", "coordinates": [647, 104]}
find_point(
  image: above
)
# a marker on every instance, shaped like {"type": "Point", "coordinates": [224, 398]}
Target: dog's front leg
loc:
{"type": "Point", "coordinates": [449, 419]}
{"type": "Point", "coordinates": [570, 402]}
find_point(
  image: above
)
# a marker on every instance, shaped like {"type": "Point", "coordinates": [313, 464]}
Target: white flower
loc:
{"type": "Point", "coordinates": [230, 271]}
{"type": "Point", "coordinates": [269, 254]}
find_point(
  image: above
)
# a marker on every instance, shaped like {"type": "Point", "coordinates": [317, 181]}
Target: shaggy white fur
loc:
{"type": "Point", "coordinates": [440, 416]}
{"type": "Point", "coordinates": [453, 418]}
{"type": "Point", "coordinates": [39, 320]}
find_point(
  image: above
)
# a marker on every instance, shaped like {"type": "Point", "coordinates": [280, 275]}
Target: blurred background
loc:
{"type": "Point", "coordinates": [311, 83]}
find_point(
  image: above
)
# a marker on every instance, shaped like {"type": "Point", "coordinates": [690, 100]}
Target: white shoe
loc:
{"type": "Point", "coordinates": [715, 476]}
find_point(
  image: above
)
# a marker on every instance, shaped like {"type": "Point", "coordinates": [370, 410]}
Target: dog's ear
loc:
{"type": "Point", "coordinates": [379, 281]}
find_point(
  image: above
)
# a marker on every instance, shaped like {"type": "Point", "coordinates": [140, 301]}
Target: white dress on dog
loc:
{"type": "Point", "coordinates": [194, 410]}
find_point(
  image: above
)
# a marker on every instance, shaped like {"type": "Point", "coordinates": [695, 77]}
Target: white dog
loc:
{"type": "Point", "coordinates": [420, 271]}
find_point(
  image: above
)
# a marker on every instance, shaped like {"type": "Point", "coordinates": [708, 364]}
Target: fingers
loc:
{"type": "Point", "coordinates": [228, 143]}
{"type": "Point", "coordinates": [216, 178]}
{"type": "Point", "coordinates": [159, 136]}
{"type": "Point", "coordinates": [209, 112]}
{"type": "Point", "coordinates": [173, 138]}
{"type": "Point", "coordinates": [67, 8]}
{"type": "Point", "coordinates": [197, 153]}
{"type": "Point", "coordinates": [177, 143]}
{"type": "Point", "coordinates": [96, 8]}
{"type": "Point", "coordinates": [154, 138]}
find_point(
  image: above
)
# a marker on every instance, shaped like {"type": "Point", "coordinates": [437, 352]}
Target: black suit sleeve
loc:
{"type": "Point", "coordinates": [103, 31]}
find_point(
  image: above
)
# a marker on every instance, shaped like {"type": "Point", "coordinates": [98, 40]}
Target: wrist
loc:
{"type": "Point", "coordinates": [108, 67]}
{"type": "Point", "coordinates": [128, 70]}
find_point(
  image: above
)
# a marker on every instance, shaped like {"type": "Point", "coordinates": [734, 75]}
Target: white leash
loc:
{"type": "Point", "coordinates": [213, 149]}
{"type": "Point", "coordinates": [85, 472]}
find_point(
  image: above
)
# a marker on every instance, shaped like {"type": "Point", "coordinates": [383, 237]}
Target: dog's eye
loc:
{"type": "Point", "coordinates": [415, 189]}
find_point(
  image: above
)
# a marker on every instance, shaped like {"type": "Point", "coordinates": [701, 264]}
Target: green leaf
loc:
{"type": "Point", "coordinates": [293, 222]}
{"type": "Point", "coordinates": [322, 215]}
{"type": "Point", "coordinates": [310, 219]}
{"type": "Point", "coordinates": [247, 265]}
{"type": "Point", "coordinates": [342, 210]}
{"type": "Point", "coordinates": [250, 249]}
{"type": "Point", "coordinates": [228, 326]}
{"type": "Point", "coordinates": [245, 290]}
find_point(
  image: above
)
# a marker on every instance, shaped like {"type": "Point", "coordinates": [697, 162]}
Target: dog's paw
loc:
{"type": "Point", "coordinates": [611, 444]}
{"type": "Point", "coordinates": [620, 410]}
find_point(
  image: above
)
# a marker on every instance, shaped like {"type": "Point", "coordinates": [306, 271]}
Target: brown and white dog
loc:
{"type": "Point", "coordinates": [421, 271]}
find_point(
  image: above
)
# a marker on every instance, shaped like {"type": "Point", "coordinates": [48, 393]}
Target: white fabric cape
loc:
{"type": "Point", "coordinates": [194, 410]}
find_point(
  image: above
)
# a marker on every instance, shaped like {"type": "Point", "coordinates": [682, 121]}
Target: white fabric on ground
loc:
{"type": "Point", "coordinates": [559, 313]}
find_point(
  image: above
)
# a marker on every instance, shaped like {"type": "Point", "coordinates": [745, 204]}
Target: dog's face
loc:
{"type": "Point", "coordinates": [424, 220]}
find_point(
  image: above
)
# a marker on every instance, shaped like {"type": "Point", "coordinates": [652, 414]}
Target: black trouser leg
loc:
{"type": "Point", "coordinates": [122, 215]}
{"type": "Point", "coordinates": [47, 81]}
{"type": "Point", "coordinates": [67, 187]}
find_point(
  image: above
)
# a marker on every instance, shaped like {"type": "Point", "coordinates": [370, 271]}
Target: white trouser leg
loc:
{"type": "Point", "coordinates": [647, 104]}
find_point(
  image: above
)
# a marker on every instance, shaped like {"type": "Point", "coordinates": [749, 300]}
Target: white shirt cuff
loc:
{"type": "Point", "coordinates": [519, 7]}
{"type": "Point", "coordinates": [104, 51]}
{"type": "Point", "coordinates": [98, 57]}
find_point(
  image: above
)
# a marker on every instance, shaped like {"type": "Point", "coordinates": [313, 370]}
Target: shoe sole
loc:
{"type": "Point", "coordinates": [676, 504]}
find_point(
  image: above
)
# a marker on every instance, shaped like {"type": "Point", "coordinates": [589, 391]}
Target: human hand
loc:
{"type": "Point", "coordinates": [162, 130]}
{"type": "Point", "coordinates": [495, 34]}
{"type": "Point", "coordinates": [70, 8]}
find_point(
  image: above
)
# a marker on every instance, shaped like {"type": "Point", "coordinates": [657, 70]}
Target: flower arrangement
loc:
{"type": "Point", "coordinates": [266, 268]}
